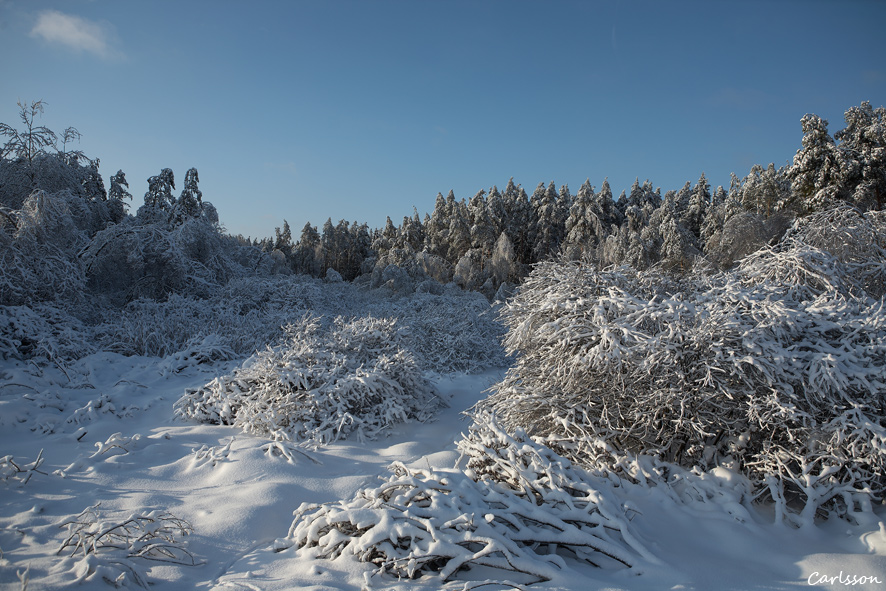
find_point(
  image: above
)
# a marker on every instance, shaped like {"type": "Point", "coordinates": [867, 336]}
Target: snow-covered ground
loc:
{"type": "Point", "coordinates": [109, 439]}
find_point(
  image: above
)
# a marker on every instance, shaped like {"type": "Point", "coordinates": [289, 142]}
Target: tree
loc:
{"type": "Point", "coordinates": [697, 206]}
{"type": "Point", "coordinates": [514, 215]}
{"type": "Point", "coordinates": [283, 238]}
{"type": "Point", "coordinates": [817, 172]}
{"type": "Point", "coordinates": [33, 140]}
{"type": "Point", "coordinates": [584, 227]}
{"type": "Point", "coordinates": [606, 205]}
{"type": "Point", "coordinates": [459, 236]}
{"type": "Point", "coordinates": [189, 204]}
{"type": "Point", "coordinates": [437, 229]}
{"type": "Point", "coordinates": [503, 264]}
{"type": "Point", "coordinates": [550, 222]}
{"type": "Point", "coordinates": [863, 146]}
{"type": "Point", "coordinates": [158, 199]}
{"type": "Point", "coordinates": [307, 252]}
{"type": "Point", "coordinates": [483, 227]}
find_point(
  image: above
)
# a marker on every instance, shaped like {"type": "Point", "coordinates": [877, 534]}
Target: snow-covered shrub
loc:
{"type": "Point", "coordinates": [132, 260]}
{"type": "Point", "coordinates": [456, 331]}
{"type": "Point", "coordinates": [245, 315]}
{"type": "Point", "coordinates": [198, 351]}
{"type": "Point", "coordinates": [42, 331]}
{"type": "Point", "coordinates": [111, 549]}
{"type": "Point", "coordinates": [353, 377]}
{"type": "Point", "coordinates": [515, 507]}
{"type": "Point", "coordinates": [856, 239]}
{"type": "Point", "coordinates": [775, 368]}
{"type": "Point", "coordinates": [333, 276]}
{"type": "Point", "coordinates": [38, 252]}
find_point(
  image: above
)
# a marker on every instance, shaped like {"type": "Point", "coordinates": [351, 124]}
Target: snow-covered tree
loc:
{"type": "Point", "coordinates": [30, 142]}
{"type": "Point", "coordinates": [306, 256]}
{"type": "Point", "coordinates": [515, 216]}
{"type": "Point", "coordinates": [584, 228]}
{"type": "Point", "coordinates": [817, 174]}
{"type": "Point", "coordinates": [437, 229]}
{"type": "Point", "coordinates": [119, 187]}
{"type": "Point", "coordinates": [550, 222]}
{"type": "Point", "coordinates": [697, 206]}
{"type": "Point", "coordinates": [190, 202]}
{"type": "Point", "coordinates": [863, 147]}
{"type": "Point", "coordinates": [159, 200]}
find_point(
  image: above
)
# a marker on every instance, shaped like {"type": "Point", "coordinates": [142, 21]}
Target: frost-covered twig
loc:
{"type": "Point", "coordinates": [152, 536]}
{"type": "Point", "coordinates": [10, 469]}
{"type": "Point", "coordinates": [116, 441]}
{"type": "Point", "coordinates": [212, 455]}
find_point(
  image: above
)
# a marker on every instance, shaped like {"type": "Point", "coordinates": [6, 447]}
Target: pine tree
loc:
{"type": "Point", "coordinates": [437, 229]}
{"type": "Point", "coordinates": [550, 222]}
{"type": "Point", "coordinates": [518, 219]}
{"type": "Point", "coordinates": [307, 258]}
{"type": "Point", "coordinates": [482, 226]}
{"type": "Point", "coordinates": [584, 227]}
{"type": "Point", "coordinates": [459, 236]}
{"type": "Point", "coordinates": [606, 205]}
{"type": "Point", "coordinates": [817, 172]}
{"type": "Point", "coordinates": [863, 147]}
{"type": "Point", "coordinates": [190, 203]}
{"type": "Point", "coordinates": [696, 207]}
{"type": "Point", "coordinates": [283, 239]}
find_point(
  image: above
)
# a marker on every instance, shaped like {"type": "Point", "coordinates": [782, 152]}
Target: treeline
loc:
{"type": "Point", "coordinates": [63, 236]}
{"type": "Point", "coordinates": [494, 237]}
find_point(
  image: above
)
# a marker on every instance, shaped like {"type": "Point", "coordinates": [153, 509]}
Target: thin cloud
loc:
{"type": "Point", "coordinates": [77, 33]}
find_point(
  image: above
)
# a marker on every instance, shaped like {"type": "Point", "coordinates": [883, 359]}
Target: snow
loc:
{"type": "Point", "coordinates": [110, 442]}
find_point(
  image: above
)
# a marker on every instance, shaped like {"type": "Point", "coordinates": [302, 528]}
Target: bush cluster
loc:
{"type": "Point", "coordinates": [774, 369]}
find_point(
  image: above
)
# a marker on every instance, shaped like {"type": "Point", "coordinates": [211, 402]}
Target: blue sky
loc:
{"type": "Point", "coordinates": [359, 109]}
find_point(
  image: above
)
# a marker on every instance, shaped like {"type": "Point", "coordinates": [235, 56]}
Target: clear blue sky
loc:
{"type": "Point", "coordinates": [360, 109]}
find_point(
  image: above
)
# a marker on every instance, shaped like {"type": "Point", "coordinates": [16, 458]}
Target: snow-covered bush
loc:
{"type": "Point", "coordinates": [42, 331]}
{"type": "Point", "coordinates": [38, 252]}
{"type": "Point", "coordinates": [321, 384]}
{"type": "Point", "coordinates": [198, 351]}
{"type": "Point", "coordinates": [134, 259]}
{"type": "Point", "coordinates": [456, 331]}
{"type": "Point", "coordinates": [246, 315]}
{"type": "Point", "coordinates": [515, 506]}
{"type": "Point", "coordinates": [775, 368]}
